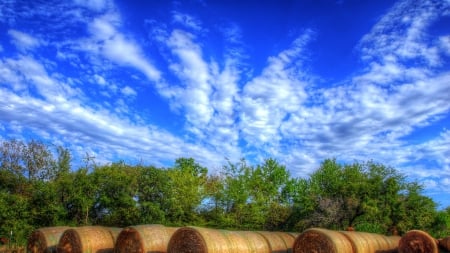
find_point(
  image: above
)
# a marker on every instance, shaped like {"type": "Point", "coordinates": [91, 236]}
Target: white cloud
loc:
{"type": "Point", "coordinates": [444, 43]}
{"type": "Point", "coordinates": [95, 5]}
{"type": "Point", "coordinates": [27, 74]}
{"type": "Point", "coordinates": [112, 136]}
{"type": "Point", "coordinates": [187, 21]}
{"type": "Point", "coordinates": [271, 97]}
{"type": "Point", "coordinates": [402, 33]}
{"type": "Point", "coordinates": [100, 80]}
{"type": "Point", "coordinates": [193, 72]}
{"type": "Point", "coordinates": [128, 91]}
{"type": "Point", "coordinates": [108, 42]}
{"type": "Point", "coordinates": [23, 41]}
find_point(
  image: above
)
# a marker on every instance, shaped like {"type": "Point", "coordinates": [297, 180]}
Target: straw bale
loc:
{"type": "Point", "coordinates": [144, 238]}
{"type": "Point", "coordinates": [256, 241]}
{"type": "Point", "coordinates": [88, 239]}
{"type": "Point", "coordinates": [205, 240]}
{"type": "Point", "coordinates": [279, 241]}
{"type": "Point", "coordinates": [370, 242]}
{"type": "Point", "coordinates": [45, 240]}
{"type": "Point", "coordinates": [417, 241]}
{"type": "Point", "coordinates": [320, 240]}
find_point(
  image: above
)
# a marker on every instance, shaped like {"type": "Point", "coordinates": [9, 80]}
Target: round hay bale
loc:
{"type": "Point", "coordinates": [144, 238]}
{"type": "Point", "coordinates": [88, 239]}
{"type": "Point", "coordinates": [279, 241]}
{"type": "Point", "coordinates": [45, 240]}
{"type": "Point", "coordinates": [369, 242]}
{"type": "Point", "coordinates": [205, 240]}
{"type": "Point", "coordinates": [417, 241]}
{"type": "Point", "coordinates": [320, 240]}
{"type": "Point", "coordinates": [444, 243]}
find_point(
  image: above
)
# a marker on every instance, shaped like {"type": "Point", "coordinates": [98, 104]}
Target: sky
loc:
{"type": "Point", "coordinates": [298, 81]}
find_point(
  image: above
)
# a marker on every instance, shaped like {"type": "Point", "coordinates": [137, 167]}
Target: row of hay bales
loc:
{"type": "Point", "coordinates": [158, 239]}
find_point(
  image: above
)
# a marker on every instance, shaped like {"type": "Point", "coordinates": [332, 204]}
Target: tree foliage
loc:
{"type": "Point", "coordinates": [39, 187]}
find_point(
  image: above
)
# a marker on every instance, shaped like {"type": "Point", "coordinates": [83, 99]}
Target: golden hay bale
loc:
{"type": "Point", "coordinates": [417, 241]}
{"type": "Point", "coordinates": [279, 241]}
{"type": "Point", "coordinates": [363, 242]}
{"type": "Point", "coordinates": [144, 238]}
{"type": "Point", "coordinates": [45, 240]}
{"type": "Point", "coordinates": [205, 240]}
{"type": "Point", "coordinates": [320, 240]}
{"type": "Point", "coordinates": [444, 243]}
{"type": "Point", "coordinates": [88, 239]}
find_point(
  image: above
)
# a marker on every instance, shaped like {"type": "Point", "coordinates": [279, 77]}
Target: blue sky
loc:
{"type": "Point", "coordinates": [298, 81]}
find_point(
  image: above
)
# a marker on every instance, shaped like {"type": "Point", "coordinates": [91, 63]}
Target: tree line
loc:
{"type": "Point", "coordinates": [40, 188]}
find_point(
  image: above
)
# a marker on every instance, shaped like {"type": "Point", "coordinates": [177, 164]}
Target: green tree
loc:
{"type": "Point", "coordinates": [80, 197]}
{"type": "Point", "coordinates": [187, 180]}
{"type": "Point", "coordinates": [441, 224]}
{"type": "Point", "coordinates": [266, 184]}
{"type": "Point", "coordinates": [15, 217]}
{"type": "Point", "coordinates": [236, 195]}
{"type": "Point", "coordinates": [45, 207]}
{"type": "Point", "coordinates": [115, 191]}
{"type": "Point", "coordinates": [419, 211]}
{"type": "Point", "coordinates": [153, 194]}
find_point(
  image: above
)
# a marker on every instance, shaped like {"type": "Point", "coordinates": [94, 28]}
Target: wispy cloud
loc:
{"type": "Point", "coordinates": [23, 41]}
{"type": "Point", "coordinates": [108, 42]}
{"type": "Point", "coordinates": [187, 21]}
{"type": "Point", "coordinates": [194, 75]}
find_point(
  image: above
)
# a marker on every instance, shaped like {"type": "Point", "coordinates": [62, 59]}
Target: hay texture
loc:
{"type": "Point", "coordinates": [205, 240]}
{"type": "Point", "coordinates": [363, 242]}
{"type": "Point", "coordinates": [144, 238]}
{"type": "Point", "coordinates": [88, 239]}
{"type": "Point", "coordinates": [320, 240]}
{"type": "Point", "coordinates": [445, 243]}
{"type": "Point", "coordinates": [279, 241]}
{"type": "Point", "coordinates": [45, 240]}
{"type": "Point", "coordinates": [417, 241]}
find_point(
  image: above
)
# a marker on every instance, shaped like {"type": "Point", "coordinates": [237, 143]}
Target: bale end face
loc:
{"type": "Point", "coordinates": [45, 239]}
{"type": "Point", "coordinates": [417, 241]}
{"type": "Point", "coordinates": [129, 241]}
{"type": "Point", "coordinates": [69, 242]}
{"type": "Point", "coordinates": [321, 241]}
{"type": "Point", "coordinates": [36, 242]}
{"type": "Point", "coordinates": [186, 240]}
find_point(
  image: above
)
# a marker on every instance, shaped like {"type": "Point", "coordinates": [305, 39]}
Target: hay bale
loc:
{"type": "Point", "coordinates": [144, 238]}
{"type": "Point", "coordinates": [369, 242]}
{"type": "Point", "coordinates": [444, 243]}
{"type": "Point", "coordinates": [320, 240]}
{"type": "Point", "coordinates": [279, 241]}
{"type": "Point", "coordinates": [204, 240]}
{"type": "Point", "coordinates": [45, 240]}
{"type": "Point", "coordinates": [417, 241]}
{"type": "Point", "coordinates": [88, 239]}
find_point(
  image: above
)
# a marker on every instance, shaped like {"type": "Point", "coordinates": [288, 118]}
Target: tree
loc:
{"type": "Point", "coordinates": [187, 180]}
{"type": "Point", "coordinates": [81, 197]}
{"type": "Point", "coordinates": [11, 156]}
{"type": "Point", "coordinates": [266, 185]}
{"type": "Point", "coordinates": [364, 195]}
{"type": "Point", "coordinates": [419, 211]}
{"type": "Point", "coordinates": [114, 197]}
{"type": "Point", "coordinates": [153, 194]}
